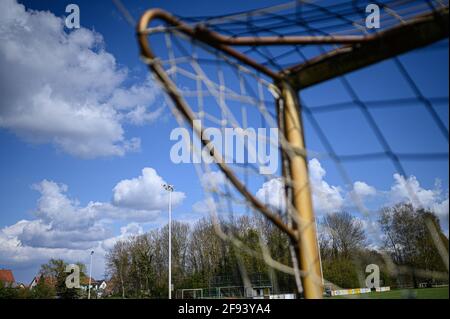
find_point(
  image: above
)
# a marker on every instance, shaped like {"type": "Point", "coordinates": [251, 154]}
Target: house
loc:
{"type": "Point", "coordinates": [7, 278]}
{"type": "Point", "coordinates": [100, 287]}
{"type": "Point", "coordinates": [97, 286]}
{"type": "Point", "coordinates": [84, 282]}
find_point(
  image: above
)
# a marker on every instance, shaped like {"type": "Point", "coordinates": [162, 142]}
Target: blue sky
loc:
{"type": "Point", "coordinates": [94, 153]}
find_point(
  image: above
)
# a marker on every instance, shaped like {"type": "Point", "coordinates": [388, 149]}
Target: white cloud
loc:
{"type": "Point", "coordinates": [109, 211]}
{"type": "Point", "coordinates": [212, 180]}
{"type": "Point", "coordinates": [128, 98]}
{"type": "Point", "coordinates": [135, 100]}
{"type": "Point", "coordinates": [375, 236]}
{"type": "Point", "coordinates": [55, 208]}
{"type": "Point", "coordinates": [37, 233]}
{"type": "Point", "coordinates": [326, 198]}
{"type": "Point", "coordinates": [272, 193]}
{"type": "Point", "coordinates": [363, 190]}
{"type": "Point", "coordinates": [140, 115]}
{"type": "Point", "coordinates": [65, 88]}
{"type": "Point", "coordinates": [409, 190]}
{"type": "Point", "coordinates": [132, 229]}
{"type": "Point", "coordinates": [13, 253]}
{"type": "Point", "coordinates": [441, 209]}
{"type": "Point", "coordinates": [204, 206]}
{"type": "Point", "coordinates": [144, 192]}
{"type": "Point", "coordinates": [17, 255]}
{"type": "Point", "coordinates": [360, 194]}
{"type": "Point", "coordinates": [65, 229]}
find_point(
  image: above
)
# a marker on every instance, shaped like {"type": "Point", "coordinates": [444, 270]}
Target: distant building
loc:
{"type": "Point", "coordinates": [98, 287]}
{"type": "Point", "coordinates": [103, 285]}
{"type": "Point", "coordinates": [7, 278]}
{"type": "Point", "coordinates": [84, 283]}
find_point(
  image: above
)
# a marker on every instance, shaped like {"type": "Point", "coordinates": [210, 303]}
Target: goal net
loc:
{"type": "Point", "coordinates": [273, 95]}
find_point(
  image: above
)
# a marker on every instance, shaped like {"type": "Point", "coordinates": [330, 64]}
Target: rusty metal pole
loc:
{"type": "Point", "coordinates": [307, 246]}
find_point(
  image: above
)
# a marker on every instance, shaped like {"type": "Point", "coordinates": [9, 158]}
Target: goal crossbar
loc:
{"type": "Point", "coordinates": [422, 31]}
{"type": "Point", "coordinates": [357, 52]}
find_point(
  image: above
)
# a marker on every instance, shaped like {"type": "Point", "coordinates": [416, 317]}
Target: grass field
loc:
{"type": "Point", "coordinates": [422, 293]}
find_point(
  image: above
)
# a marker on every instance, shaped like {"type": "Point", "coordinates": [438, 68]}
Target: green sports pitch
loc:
{"type": "Point", "coordinates": [421, 293]}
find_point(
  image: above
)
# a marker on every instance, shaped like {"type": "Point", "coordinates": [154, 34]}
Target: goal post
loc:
{"type": "Point", "coordinates": [192, 293]}
{"type": "Point", "coordinates": [307, 246]}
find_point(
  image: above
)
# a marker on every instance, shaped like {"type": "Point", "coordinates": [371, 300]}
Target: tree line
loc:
{"type": "Point", "coordinates": [414, 250]}
{"type": "Point", "coordinates": [409, 254]}
{"type": "Point", "coordinates": [138, 267]}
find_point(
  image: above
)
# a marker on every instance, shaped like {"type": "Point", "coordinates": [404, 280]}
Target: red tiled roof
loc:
{"type": "Point", "coordinates": [6, 275]}
{"type": "Point", "coordinates": [85, 281]}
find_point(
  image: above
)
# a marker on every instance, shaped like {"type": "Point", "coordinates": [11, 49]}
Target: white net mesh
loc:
{"type": "Point", "coordinates": [243, 163]}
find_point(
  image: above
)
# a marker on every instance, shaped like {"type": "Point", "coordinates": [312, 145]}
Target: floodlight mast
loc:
{"type": "Point", "coordinates": [170, 189]}
{"type": "Point", "coordinates": [90, 276]}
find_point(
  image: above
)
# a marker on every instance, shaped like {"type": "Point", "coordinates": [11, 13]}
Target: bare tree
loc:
{"type": "Point", "coordinates": [409, 240]}
{"type": "Point", "coordinates": [344, 233]}
{"type": "Point", "coordinates": [118, 264]}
